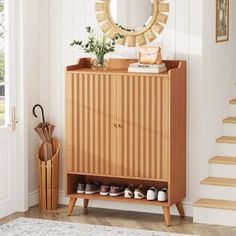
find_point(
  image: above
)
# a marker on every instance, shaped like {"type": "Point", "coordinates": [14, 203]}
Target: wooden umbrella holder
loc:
{"type": "Point", "coordinates": [49, 178]}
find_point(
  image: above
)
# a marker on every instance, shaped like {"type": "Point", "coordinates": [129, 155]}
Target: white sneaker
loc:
{"type": "Point", "coordinates": [163, 195]}
{"type": "Point", "coordinates": [152, 194]}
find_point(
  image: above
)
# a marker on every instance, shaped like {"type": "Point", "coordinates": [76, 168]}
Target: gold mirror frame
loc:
{"type": "Point", "coordinates": [132, 38]}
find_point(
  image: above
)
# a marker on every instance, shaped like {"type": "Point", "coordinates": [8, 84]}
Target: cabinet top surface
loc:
{"type": "Point", "coordinates": [118, 67]}
{"type": "Point", "coordinates": [116, 72]}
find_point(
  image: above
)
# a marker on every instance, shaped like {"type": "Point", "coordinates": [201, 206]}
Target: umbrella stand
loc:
{"type": "Point", "coordinates": [48, 164]}
{"type": "Point", "coordinates": [48, 172]}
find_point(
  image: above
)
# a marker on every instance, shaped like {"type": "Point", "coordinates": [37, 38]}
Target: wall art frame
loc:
{"type": "Point", "coordinates": [222, 20]}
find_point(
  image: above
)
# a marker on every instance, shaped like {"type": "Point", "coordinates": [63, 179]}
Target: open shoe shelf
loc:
{"type": "Point", "coordinates": [118, 199]}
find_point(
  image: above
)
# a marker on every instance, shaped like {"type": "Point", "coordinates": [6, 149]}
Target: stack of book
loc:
{"type": "Point", "coordinates": [144, 68]}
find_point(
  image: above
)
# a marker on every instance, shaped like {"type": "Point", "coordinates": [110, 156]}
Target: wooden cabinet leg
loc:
{"type": "Point", "coordinates": [180, 208]}
{"type": "Point", "coordinates": [166, 211]}
{"type": "Point", "coordinates": [86, 202]}
{"type": "Point", "coordinates": [71, 205]}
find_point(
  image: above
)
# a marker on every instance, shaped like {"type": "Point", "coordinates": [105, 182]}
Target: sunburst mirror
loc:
{"type": "Point", "coordinates": [139, 21]}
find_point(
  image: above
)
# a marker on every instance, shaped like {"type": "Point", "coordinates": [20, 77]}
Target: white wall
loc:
{"type": "Point", "coordinates": [65, 20]}
{"type": "Point", "coordinates": [31, 67]}
{"type": "Point", "coordinates": [219, 77]}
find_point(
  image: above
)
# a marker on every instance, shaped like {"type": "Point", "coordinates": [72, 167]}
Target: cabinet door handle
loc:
{"type": "Point", "coordinates": [119, 125]}
{"type": "Point", "coordinates": [115, 125]}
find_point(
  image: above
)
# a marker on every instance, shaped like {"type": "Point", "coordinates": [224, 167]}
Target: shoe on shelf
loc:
{"type": "Point", "coordinates": [152, 194]}
{"type": "Point", "coordinates": [129, 191]}
{"type": "Point", "coordinates": [163, 195]}
{"type": "Point", "coordinates": [92, 188]}
{"type": "Point", "coordinates": [116, 191]}
{"type": "Point", "coordinates": [140, 192]}
{"type": "Point", "coordinates": [81, 187]}
{"type": "Point", "coordinates": [105, 190]}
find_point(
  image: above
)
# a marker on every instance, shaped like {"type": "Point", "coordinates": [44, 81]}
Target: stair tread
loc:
{"type": "Point", "coordinates": [232, 101]}
{"type": "Point", "coordinates": [214, 203]}
{"type": "Point", "coordinates": [223, 160]}
{"type": "Point", "coordinates": [226, 139]}
{"type": "Point", "coordinates": [230, 120]}
{"type": "Point", "coordinates": [219, 181]}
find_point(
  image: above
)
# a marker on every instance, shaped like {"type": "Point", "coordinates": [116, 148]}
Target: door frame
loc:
{"type": "Point", "coordinates": [22, 111]}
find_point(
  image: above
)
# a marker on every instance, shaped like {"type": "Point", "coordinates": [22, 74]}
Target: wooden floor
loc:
{"type": "Point", "coordinates": [125, 219]}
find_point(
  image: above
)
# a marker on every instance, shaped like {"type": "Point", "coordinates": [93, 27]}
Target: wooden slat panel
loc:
{"type": "Point", "coordinates": [85, 123]}
{"type": "Point", "coordinates": [69, 124]}
{"type": "Point", "coordinates": [75, 121]}
{"type": "Point", "coordinates": [49, 185]}
{"type": "Point", "coordinates": [130, 126]}
{"type": "Point", "coordinates": [101, 124]}
{"type": "Point", "coordinates": [107, 126]}
{"type": "Point", "coordinates": [142, 127]}
{"type": "Point", "coordinates": [122, 114]}
{"type": "Point", "coordinates": [44, 186]}
{"type": "Point", "coordinates": [136, 125]}
{"type": "Point", "coordinates": [147, 126]}
{"type": "Point", "coordinates": [113, 120]}
{"type": "Point", "coordinates": [93, 109]}
{"type": "Point", "coordinates": [81, 125]}
{"type": "Point", "coordinates": [145, 138]}
{"type": "Point", "coordinates": [96, 124]}
{"type": "Point", "coordinates": [90, 124]}
{"type": "Point", "coordinates": [165, 128]}
{"type": "Point", "coordinates": [121, 163]}
{"type": "Point", "coordinates": [152, 125]}
{"type": "Point", "coordinates": [40, 184]}
{"type": "Point", "coordinates": [158, 127]}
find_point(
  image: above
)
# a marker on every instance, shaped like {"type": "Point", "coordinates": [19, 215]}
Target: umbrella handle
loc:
{"type": "Point", "coordinates": [34, 108]}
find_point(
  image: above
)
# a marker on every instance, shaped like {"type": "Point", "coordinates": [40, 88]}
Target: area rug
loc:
{"type": "Point", "coordinates": [35, 227]}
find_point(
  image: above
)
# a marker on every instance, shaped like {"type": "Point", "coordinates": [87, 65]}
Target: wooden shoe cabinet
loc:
{"type": "Point", "coordinates": [126, 128]}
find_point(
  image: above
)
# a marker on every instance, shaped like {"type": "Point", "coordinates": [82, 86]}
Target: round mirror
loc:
{"type": "Point", "coordinates": [137, 20]}
{"type": "Point", "coordinates": [131, 15]}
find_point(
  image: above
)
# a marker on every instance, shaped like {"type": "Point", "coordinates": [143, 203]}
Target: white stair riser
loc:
{"type": "Point", "coordinates": [229, 129]}
{"type": "Point", "coordinates": [222, 170]}
{"type": "Point", "coordinates": [214, 216]}
{"type": "Point", "coordinates": [231, 110]}
{"type": "Point", "coordinates": [218, 192]}
{"type": "Point", "coordinates": [225, 149]}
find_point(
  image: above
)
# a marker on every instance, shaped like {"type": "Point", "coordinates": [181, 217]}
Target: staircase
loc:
{"type": "Point", "coordinates": [218, 205]}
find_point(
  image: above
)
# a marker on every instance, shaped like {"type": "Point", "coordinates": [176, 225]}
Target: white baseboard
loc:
{"type": "Point", "coordinates": [33, 200]}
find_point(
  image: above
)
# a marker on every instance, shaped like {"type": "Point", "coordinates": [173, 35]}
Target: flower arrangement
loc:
{"type": "Point", "coordinates": [99, 45]}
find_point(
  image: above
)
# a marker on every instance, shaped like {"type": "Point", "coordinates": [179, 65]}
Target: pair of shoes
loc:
{"type": "Point", "coordinates": [113, 191]}
{"type": "Point", "coordinates": [89, 188]}
{"type": "Point", "coordinates": [161, 196]}
{"type": "Point", "coordinates": [136, 193]}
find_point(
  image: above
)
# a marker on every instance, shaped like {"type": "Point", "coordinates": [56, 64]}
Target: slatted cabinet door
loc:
{"type": "Point", "coordinates": [143, 137]}
{"type": "Point", "coordinates": [91, 121]}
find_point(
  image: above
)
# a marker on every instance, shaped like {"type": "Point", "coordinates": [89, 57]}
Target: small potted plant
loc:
{"type": "Point", "coordinates": [99, 45]}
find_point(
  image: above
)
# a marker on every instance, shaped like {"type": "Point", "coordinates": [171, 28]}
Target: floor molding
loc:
{"type": "Point", "coordinates": [33, 200]}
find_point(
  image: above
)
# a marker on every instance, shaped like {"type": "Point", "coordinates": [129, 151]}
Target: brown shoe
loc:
{"type": "Point", "coordinates": [129, 191]}
{"type": "Point", "coordinates": [105, 190]}
{"type": "Point", "coordinates": [140, 192]}
{"type": "Point", "coordinates": [116, 191]}
{"type": "Point", "coordinates": [92, 188]}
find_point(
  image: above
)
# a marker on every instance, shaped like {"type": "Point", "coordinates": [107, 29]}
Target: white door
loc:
{"type": "Point", "coordinates": [8, 91]}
